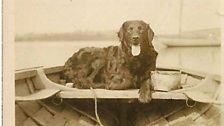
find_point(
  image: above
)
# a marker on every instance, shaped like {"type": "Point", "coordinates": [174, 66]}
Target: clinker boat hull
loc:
{"type": "Point", "coordinates": [62, 106]}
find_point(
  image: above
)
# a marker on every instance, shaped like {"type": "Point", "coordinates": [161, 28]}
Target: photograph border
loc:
{"type": "Point", "coordinates": [8, 63]}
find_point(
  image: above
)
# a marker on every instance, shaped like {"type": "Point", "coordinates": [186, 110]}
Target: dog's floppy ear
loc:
{"type": "Point", "coordinates": [120, 34]}
{"type": "Point", "coordinates": [150, 34]}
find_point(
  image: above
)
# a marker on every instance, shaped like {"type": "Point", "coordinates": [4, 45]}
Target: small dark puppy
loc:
{"type": "Point", "coordinates": [116, 67]}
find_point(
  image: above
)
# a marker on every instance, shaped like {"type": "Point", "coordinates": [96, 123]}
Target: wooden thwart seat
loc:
{"type": "Point", "coordinates": [117, 94]}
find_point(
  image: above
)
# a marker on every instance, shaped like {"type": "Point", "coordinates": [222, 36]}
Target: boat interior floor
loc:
{"type": "Point", "coordinates": [81, 113]}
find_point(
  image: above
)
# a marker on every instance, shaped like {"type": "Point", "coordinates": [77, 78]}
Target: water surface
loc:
{"type": "Point", "coordinates": [48, 54]}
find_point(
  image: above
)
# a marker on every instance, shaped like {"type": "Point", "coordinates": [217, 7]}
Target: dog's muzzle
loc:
{"type": "Point", "coordinates": [135, 46]}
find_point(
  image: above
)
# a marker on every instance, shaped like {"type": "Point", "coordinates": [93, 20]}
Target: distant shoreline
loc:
{"type": "Point", "coordinates": [110, 35]}
{"type": "Point", "coordinates": [62, 40]}
{"type": "Point", "coordinates": [73, 36]}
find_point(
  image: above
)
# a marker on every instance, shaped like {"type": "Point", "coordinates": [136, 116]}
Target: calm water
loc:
{"type": "Point", "coordinates": [29, 54]}
{"type": "Point", "coordinates": [47, 54]}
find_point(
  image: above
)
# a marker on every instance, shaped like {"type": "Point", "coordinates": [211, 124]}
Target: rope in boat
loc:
{"type": "Point", "coordinates": [96, 110]}
{"type": "Point", "coordinates": [80, 111]}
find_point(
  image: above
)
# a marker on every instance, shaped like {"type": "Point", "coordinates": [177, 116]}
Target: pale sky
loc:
{"type": "Point", "coordinates": [46, 16]}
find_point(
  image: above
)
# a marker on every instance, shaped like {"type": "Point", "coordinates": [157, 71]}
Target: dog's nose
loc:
{"type": "Point", "coordinates": [135, 37]}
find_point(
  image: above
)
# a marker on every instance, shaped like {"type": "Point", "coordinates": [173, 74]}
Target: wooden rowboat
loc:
{"type": "Point", "coordinates": [42, 101]}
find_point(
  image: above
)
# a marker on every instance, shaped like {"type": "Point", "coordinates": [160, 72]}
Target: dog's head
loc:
{"type": "Point", "coordinates": [134, 35]}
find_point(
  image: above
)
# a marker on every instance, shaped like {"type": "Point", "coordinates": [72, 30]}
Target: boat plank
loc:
{"type": "Point", "coordinates": [73, 123]}
{"type": "Point", "coordinates": [25, 74]}
{"type": "Point", "coordinates": [30, 107]}
{"type": "Point", "coordinates": [42, 94]}
{"type": "Point", "coordinates": [117, 94]}
{"type": "Point", "coordinates": [160, 122]}
{"type": "Point", "coordinates": [201, 120]}
{"type": "Point", "coordinates": [29, 122]}
{"type": "Point", "coordinates": [191, 81]}
{"type": "Point", "coordinates": [168, 109]}
{"type": "Point", "coordinates": [30, 85]}
{"type": "Point", "coordinates": [54, 77]}
{"type": "Point", "coordinates": [54, 108]}
{"type": "Point", "coordinates": [141, 120]}
{"type": "Point", "coordinates": [69, 113]}
{"type": "Point", "coordinates": [154, 115]}
{"type": "Point", "coordinates": [201, 74]}
{"type": "Point", "coordinates": [21, 88]}
{"type": "Point", "coordinates": [51, 70]}
{"type": "Point", "coordinates": [183, 122]}
{"type": "Point", "coordinates": [20, 116]}
{"type": "Point", "coordinates": [171, 108]}
{"type": "Point", "coordinates": [213, 111]}
{"type": "Point", "coordinates": [202, 107]}
{"type": "Point", "coordinates": [215, 120]}
{"type": "Point", "coordinates": [85, 121]}
{"type": "Point", "coordinates": [57, 120]}
{"type": "Point", "coordinates": [176, 116]}
{"type": "Point", "coordinates": [48, 108]}
{"type": "Point", "coordinates": [32, 72]}
{"type": "Point", "coordinates": [191, 112]}
{"type": "Point", "coordinates": [43, 116]}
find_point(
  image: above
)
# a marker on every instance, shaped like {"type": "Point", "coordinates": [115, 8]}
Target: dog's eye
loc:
{"type": "Point", "coordinates": [139, 28]}
{"type": "Point", "coordinates": [131, 28]}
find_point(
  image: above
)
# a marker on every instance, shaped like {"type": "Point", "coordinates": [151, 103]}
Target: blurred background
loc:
{"type": "Point", "coordinates": [187, 32]}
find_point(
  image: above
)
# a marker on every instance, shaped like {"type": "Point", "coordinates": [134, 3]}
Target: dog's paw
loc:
{"type": "Point", "coordinates": [112, 86]}
{"type": "Point", "coordinates": [145, 96]}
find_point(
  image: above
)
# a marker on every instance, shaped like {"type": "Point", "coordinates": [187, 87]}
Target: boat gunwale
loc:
{"type": "Point", "coordinates": [32, 72]}
{"type": "Point", "coordinates": [78, 94]}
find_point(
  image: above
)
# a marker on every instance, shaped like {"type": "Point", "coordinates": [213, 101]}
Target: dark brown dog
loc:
{"type": "Point", "coordinates": [117, 67]}
{"type": "Point", "coordinates": [138, 34]}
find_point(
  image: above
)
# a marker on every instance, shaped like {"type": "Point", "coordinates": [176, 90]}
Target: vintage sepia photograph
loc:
{"type": "Point", "coordinates": [117, 63]}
